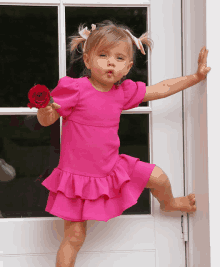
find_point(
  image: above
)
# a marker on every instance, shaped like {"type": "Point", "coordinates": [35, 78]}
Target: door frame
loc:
{"type": "Point", "coordinates": [195, 134]}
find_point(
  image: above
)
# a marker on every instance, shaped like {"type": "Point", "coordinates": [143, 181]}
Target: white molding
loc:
{"type": "Point", "coordinates": [213, 96]}
{"type": "Point", "coordinates": [107, 2]}
{"type": "Point", "coordinates": [78, 2]}
{"type": "Point", "coordinates": [30, 2]}
{"type": "Point", "coordinates": [167, 135]}
{"type": "Point", "coordinates": [62, 47]}
{"type": "Point", "coordinates": [33, 111]}
{"type": "Point", "coordinates": [195, 134]}
{"type": "Point", "coordinates": [138, 110]}
{"type": "Point", "coordinates": [34, 219]}
{"type": "Point", "coordinates": [18, 111]}
{"type": "Point", "coordinates": [62, 40]}
{"type": "Point", "coordinates": [81, 252]}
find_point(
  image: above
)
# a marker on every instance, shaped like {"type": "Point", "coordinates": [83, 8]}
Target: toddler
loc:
{"type": "Point", "coordinates": [92, 180]}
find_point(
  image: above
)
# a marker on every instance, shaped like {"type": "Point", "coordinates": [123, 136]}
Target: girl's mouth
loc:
{"type": "Point", "coordinates": [110, 73]}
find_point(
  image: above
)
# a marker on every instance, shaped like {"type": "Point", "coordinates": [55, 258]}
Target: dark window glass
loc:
{"type": "Point", "coordinates": [29, 55]}
{"type": "Point", "coordinates": [134, 139]}
{"type": "Point", "coordinates": [27, 151]}
{"type": "Point", "coordinates": [29, 51]}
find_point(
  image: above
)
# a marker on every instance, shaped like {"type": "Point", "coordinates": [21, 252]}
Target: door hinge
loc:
{"type": "Point", "coordinates": [184, 225]}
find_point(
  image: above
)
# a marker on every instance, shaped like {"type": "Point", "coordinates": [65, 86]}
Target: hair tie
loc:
{"type": "Point", "coordinates": [137, 42]}
{"type": "Point", "coordinates": [84, 33]}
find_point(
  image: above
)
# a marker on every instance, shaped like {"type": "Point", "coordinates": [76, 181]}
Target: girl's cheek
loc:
{"type": "Point", "coordinates": [97, 71]}
{"type": "Point", "coordinates": [119, 74]}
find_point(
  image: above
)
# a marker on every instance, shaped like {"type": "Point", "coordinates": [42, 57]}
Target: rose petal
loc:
{"type": "Point", "coordinates": [39, 96]}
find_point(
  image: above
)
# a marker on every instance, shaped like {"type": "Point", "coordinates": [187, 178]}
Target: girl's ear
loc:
{"type": "Point", "coordinates": [129, 66]}
{"type": "Point", "coordinates": [86, 60]}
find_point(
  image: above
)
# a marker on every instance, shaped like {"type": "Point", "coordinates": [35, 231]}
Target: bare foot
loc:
{"type": "Point", "coordinates": [185, 204]}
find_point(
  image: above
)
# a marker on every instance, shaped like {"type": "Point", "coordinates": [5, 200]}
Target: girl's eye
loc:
{"type": "Point", "coordinates": [102, 55]}
{"type": "Point", "coordinates": [120, 58]}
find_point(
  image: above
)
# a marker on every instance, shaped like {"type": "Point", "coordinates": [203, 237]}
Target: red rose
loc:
{"type": "Point", "coordinates": [39, 96]}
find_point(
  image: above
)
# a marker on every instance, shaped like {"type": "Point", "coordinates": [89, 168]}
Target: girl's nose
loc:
{"type": "Point", "coordinates": [110, 61]}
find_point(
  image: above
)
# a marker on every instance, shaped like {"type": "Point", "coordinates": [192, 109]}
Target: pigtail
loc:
{"type": "Point", "coordinates": [76, 41]}
{"type": "Point", "coordinates": [146, 40]}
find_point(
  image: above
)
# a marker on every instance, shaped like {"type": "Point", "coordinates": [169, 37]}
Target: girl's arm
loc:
{"type": "Point", "coordinates": [172, 86]}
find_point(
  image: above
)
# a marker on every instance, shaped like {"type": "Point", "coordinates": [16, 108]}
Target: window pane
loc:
{"type": "Point", "coordinates": [133, 17]}
{"type": "Point", "coordinates": [134, 138]}
{"type": "Point", "coordinates": [27, 150]}
{"type": "Point", "coordinates": [29, 51]}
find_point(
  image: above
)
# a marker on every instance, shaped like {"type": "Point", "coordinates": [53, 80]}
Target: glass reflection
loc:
{"type": "Point", "coordinates": [27, 151]}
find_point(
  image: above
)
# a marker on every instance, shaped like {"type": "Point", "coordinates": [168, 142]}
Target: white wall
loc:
{"type": "Point", "coordinates": [213, 99]}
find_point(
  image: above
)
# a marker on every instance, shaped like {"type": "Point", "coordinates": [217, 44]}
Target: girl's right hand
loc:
{"type": "Point", "coordinates": [48, 110]}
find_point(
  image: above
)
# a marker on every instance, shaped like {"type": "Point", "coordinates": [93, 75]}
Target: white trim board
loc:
{"type": "Point", "coordinates": [195, 134]}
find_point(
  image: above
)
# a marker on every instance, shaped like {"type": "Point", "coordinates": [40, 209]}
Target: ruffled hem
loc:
{"type": "Point", "coordinates": [78, 198]}
{"type": "Point", "coordinates": [88, 187]}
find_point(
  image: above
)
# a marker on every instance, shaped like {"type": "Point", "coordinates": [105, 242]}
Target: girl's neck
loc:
{"type": "Point", "coordinates": [100, 86]}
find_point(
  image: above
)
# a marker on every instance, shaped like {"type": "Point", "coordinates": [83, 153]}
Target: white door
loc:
{"type": "Point", "coordinates": [143, 235]}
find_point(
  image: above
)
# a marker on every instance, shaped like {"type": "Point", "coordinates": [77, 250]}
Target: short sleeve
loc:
{"type": "Point", "coordinates": [66, 94]}
{"type": "Point", "coordinates": [134, 93]}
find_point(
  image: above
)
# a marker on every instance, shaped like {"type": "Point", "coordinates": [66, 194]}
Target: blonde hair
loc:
{"type": "Point", "coordinates": [107, 34]}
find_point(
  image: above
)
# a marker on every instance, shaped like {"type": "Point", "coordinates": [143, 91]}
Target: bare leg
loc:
{"type": "Point", "coordinates": [74, 237]}
{"type": "Point", "coordinates": [160, 187]}
{"type": "Point", "coordinates": [66, 255]}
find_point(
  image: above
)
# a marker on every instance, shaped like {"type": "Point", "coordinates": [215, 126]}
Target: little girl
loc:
{"type": "Point", "coordinates": [92, 180]}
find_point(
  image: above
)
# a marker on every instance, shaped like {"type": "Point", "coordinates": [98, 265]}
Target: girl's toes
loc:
{"type": "Point", "coordinates": [191, 196]}
{"type": "Point", "coordinates": [192, 199]}
{"type": "Point", "coordinates": [193, 208]}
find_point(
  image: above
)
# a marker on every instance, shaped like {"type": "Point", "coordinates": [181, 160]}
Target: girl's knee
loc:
{"type": "Point", "coordinates": [75, 233]}
{"type": "Point", "coordinates": [157, 178]}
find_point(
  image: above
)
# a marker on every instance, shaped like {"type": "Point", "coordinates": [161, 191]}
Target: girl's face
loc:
{"type": "Point", "coordinates": [108, 67]}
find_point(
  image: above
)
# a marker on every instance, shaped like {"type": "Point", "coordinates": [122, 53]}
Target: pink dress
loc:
{"type": "Point", "coordinates": [92, 180]}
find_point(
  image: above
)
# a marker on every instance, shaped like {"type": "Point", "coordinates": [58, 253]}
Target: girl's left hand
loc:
{"type": "Point", "coordinates": [202, 64]}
